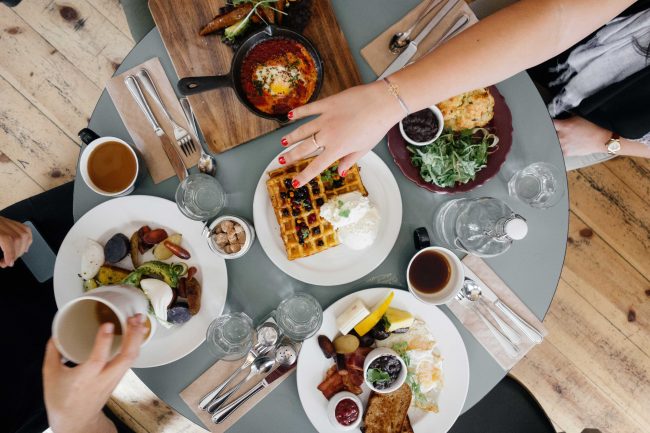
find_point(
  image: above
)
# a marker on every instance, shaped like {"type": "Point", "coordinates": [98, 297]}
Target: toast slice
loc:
{"type": "Point", "coordinates": [386, 413]}
{"type": "Point", "coordinates": [406, 427]}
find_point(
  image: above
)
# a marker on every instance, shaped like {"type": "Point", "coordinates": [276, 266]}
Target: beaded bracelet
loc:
{"type": "Point", "coordinates": [393, 89]}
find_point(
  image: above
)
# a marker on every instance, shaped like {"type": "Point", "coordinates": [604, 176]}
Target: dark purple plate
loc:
{"type": "Point", "coordinates": [501, 124]}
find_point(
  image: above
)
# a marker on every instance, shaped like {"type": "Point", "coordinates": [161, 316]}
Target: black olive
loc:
{"type": "Point", "coordinates": [116, 248]}
{"type": "Point", "coordinates": [378, 332]}
{"type": "Point", "coordinates": [366, 341]}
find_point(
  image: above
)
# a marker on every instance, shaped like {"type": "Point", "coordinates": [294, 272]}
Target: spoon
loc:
{"type": "Point", "coordinates": [511, 349]}
{"type": "Point", "coordinates": [260, 366]}
{"type": "Point", "coordinates": [473, 292]}
{"type": "Point", "coordinates": [402, 39]}
{"type": "Point", "coordinates": [207, 163]}
{"type": "Point", "coordinates": [285, 355]}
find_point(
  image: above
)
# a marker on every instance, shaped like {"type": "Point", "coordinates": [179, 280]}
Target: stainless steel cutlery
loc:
{"type": "Point", "coordinates": [207, 163]}
{"type": "Point", "coordinates": [183, 138]}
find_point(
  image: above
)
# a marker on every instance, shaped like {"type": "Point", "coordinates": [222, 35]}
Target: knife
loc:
{"type": "Point", "coordinates": [533, 334]}
{"type": "Point", "coordinates": [222, 414]}
{"type": "Point", "coordinates": [412, 48]}
{"type": "Point", "coordinates": [170, 150]}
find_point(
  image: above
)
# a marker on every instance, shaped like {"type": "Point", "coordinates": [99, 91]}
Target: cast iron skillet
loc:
{"type": "Point", "coordinates": [194, 85]}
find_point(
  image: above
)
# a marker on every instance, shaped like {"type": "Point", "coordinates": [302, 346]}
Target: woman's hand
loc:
{"type": "Point", "coordinates": [15, 239]}
{"type": "Point", "coordinates": [74, 397]}
{"type": "Point", "coordinates": [348, 125]}
{"type": "Point", "coordinates": [579, 136]}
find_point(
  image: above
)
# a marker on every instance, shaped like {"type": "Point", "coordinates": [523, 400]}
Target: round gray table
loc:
{"type": "Point", "coordinates": [531, 267]}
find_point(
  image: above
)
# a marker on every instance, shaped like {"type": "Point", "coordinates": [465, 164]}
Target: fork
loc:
{"type": "Point", "coordinates": [511, 349]}
{"type": "Point", "coordinates": [183, 138]}
{"type": "Point", "coordinates": [256, 351]}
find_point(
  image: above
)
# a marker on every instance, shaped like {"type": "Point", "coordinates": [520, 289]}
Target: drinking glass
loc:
{"type": "Point", "coordinates": [230, 336]}
{"type": "Point", "coordinates": [200, 197]}
{"type": "Point", "coordinates": [538, 185]}
{"type": "Point", "coordinates": [299, 316]}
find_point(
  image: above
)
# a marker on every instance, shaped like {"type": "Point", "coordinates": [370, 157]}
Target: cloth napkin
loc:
{"type": "Point", "coordinates": [143, 136]}
{"type": "Point", "coordinates": [489, 281]}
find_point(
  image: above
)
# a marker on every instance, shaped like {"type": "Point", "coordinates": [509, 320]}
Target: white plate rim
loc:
{"type": "Point", "coordinates": [445, 333]}
{"type": "Point", "coordinates": [211, 268]}
{"type": "Point", "coordinates": [268, 229]}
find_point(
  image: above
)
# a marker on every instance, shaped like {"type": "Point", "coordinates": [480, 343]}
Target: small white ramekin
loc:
{"type": "Point", "coordinates": [248, 230]}
{"type": "Point", "coordinates": [441, 124]}
{"type": "Point", "coordinates": [377, 353]}
{"type": "Point", "coordinates": [331, 410]}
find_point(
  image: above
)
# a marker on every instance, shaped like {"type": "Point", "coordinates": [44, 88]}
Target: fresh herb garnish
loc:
{"type": "Point", "coordinates": [375, 375]}
{"type": "Point", "coordinates": [400, 348]}
{"type": "Point", "coordinates": [244, 21]}
{"type": "Point", "coordinates": [455, 157]}
{"type": "Point", "coordinates": [345, 213]}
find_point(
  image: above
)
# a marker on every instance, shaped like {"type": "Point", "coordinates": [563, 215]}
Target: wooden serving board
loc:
{"type": "Point", "coordinates": [224, 121]}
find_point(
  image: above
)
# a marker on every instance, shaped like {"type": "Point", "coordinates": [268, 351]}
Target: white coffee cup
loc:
{"type": "Point", "coordinates": [453, 286]}
{"type": "Point", "coordinates": [76, 324]}
{"type": "Point", "coordinates": [83, 166]}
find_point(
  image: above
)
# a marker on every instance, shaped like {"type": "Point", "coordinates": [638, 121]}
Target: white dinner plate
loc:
{"type": "Point", "coordinates": [338, 265]}
{"type": "Point", "coordinates": [126, 215]}
{"type": "Point", "coordinates": [312, 364]}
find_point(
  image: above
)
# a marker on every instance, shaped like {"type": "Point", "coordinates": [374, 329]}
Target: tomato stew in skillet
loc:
{"type": "Point", "coordinates": [278, 75]}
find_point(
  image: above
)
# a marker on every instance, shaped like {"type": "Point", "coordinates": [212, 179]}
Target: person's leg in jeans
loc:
{"type": "Point", "coordinates": [139, 18]}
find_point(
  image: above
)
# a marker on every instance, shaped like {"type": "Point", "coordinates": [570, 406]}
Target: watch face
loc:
{"type": "Point", "coordinates": [614, 146]}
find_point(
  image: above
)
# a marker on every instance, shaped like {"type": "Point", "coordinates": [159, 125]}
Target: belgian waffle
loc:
{"type": "Point", "coordinates": [303, 230]}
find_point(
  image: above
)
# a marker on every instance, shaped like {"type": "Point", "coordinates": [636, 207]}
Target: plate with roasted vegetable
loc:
{"type": "Point", "coordinates": [473, 145]}
{"type": "Point", "coordinates": [146, 243]}
{"type": "Point", "coordinates": [383, 362]}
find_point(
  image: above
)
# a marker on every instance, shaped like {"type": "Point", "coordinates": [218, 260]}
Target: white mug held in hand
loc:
{"type": "Point", "coordinates": [435, 275]}
{"type": "Point", "coordinates": [76, 324]}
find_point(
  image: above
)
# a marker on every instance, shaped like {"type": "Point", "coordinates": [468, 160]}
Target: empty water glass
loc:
{"type": "Point", "coordinates": [299, 316]}
{"type": "Point", "coordinates": [539, 185]}
{"type": "Point", "coordinates": [200, 197]}
{"type": "Point", "coordinates": [231, 336]}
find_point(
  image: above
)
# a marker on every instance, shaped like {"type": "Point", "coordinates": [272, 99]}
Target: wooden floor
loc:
{"type": "Point", "coordinates": [593, 370]}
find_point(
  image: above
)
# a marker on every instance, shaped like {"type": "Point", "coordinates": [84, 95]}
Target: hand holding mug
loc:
{"type": "Point", "coordinates": [74, 397]}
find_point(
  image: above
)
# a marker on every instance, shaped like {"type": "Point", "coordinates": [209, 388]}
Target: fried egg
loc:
{"type": "Point", "coordinates": [277, 79]}
{"type": "Point", "coordinates": [424, 364]}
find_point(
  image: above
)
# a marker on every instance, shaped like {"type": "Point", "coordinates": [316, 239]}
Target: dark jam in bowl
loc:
{"type": "Point", "coordinates": [388, 364]}
{"type": "Point", "coordinates": [421, 126]}
{"type": "Point", "coordinates": [346, 412]}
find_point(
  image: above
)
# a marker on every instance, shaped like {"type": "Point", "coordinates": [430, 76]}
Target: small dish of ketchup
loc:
{"type": "Point", "coordinates": [345, 411]}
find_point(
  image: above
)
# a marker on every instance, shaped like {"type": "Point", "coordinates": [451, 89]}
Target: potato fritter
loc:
{"type": "Point", "coordinates": [468, 110]}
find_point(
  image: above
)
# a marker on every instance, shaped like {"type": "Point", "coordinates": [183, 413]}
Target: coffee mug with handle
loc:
{"type": "Point", "coordinates": [456, 269]}
{"type": "Point", "coordinates": [76, 324]}
{"type": "Point", "coordinates": [92, 141]}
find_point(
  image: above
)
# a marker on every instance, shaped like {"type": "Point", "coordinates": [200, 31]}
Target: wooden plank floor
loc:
{"type": "Point", "coordinates": [593, 370]}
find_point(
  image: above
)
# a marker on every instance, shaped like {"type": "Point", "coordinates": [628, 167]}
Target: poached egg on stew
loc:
{"type": "Point", "coordinates": [278, 75]}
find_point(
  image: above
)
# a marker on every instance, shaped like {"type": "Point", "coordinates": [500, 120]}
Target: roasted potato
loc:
{"type": "Point", "coordinates": [108, 275]}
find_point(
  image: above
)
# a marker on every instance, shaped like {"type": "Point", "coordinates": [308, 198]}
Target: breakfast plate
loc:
{"type": "Point", "coordinates": [125, 215]}
{"type": "Point", "coordinates": [338, 265]}
{"type": "Point", "coordinates": [500, 124]}
{"type": "Point", "coordinates": [449, 350]}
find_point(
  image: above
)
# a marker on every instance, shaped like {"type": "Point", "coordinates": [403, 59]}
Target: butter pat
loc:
{"type": "Point", "coordinates": [398, 319]}
{"type": "Point", "coordinates": [354, 314]}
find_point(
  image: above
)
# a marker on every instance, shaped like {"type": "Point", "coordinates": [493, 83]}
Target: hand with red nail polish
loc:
{"type": "Point", "coordinates": [290, 115]}
{"type": "Point", "coordinates": [281, 160]}
{"type": "Point", "coordinates": [344, 173]}
{"type": "Point", "coordinates": [295, 183]}
{"type": "Point", "coordinates": [284, 142]}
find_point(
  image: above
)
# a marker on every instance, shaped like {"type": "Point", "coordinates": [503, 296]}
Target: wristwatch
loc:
{"type": "Point", "coordinates": [613, 144]}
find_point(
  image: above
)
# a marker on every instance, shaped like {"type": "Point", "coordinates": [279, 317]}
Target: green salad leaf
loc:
{"type": "Point", "coordinates": [376, 375]}
{"type": "Point", "coordinates": [455, 157]}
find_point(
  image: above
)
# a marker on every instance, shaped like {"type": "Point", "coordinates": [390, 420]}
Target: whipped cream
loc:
{"type": "Point", "coordinates": [355, 219]}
